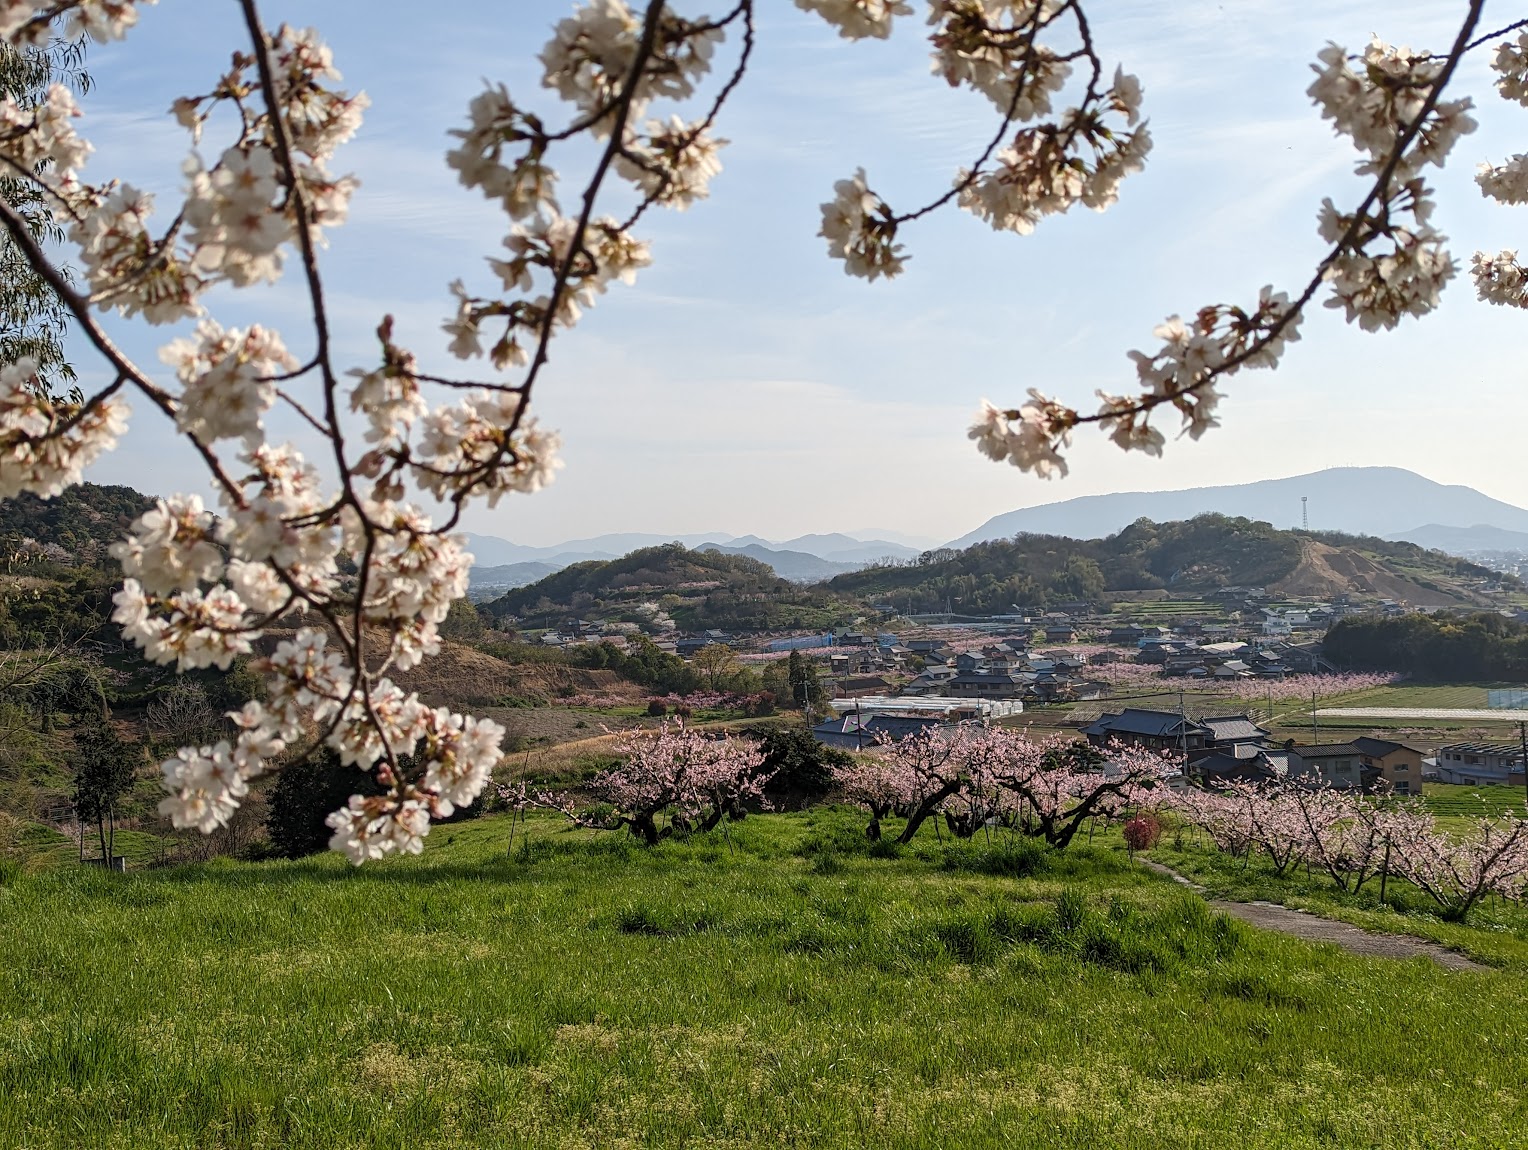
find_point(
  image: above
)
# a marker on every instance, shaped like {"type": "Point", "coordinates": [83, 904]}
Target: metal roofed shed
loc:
{"type": "Point", "coordinates": [930, 705]}
{"type": "Point", "coordinates": [857, 732]}
{"type": "Point", "coordinates": [1157, 730]}
{"type": "Point", "coordinates": [1233, 729]}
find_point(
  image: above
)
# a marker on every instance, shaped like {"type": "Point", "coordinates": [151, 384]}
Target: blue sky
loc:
{"type": "Point", "coordinates": [746, 385]}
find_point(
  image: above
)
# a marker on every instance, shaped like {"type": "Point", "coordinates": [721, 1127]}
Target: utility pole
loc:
{"type": "Point", "coordinates": [1315, 731]}
{"type": "Point", "coordinates": [1522, 734]}
{"type": "Point", "coordinates": [1182, 733]}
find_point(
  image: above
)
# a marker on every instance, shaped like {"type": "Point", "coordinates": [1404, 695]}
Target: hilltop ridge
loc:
{"type": "Point", "coordinates": [1201, 554]}
{"type": "Point", "coordinates": [1388, 502]}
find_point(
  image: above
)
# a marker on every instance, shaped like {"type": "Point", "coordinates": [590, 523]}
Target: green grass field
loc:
{"type": "Point", "coordinates": [1153, 610]}
{"type": "Point", "coordinates": [1422, 695]}
{"type": "Point", "coordinates": [1293, 718]}
{"type": "Point", "coordinates": [783, 987]}
{"type": "Point", "coordinates": [1452, 801]}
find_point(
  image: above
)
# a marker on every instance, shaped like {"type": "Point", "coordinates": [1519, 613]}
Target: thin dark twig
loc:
{"type": "Point", "coordinates": [296, 405]}
{"type": "Point", "coordinates": [1489, 36]}
{"type": "Point", "coordinates": [465, 383]}
{"type": "Point", "coordinates": [1037, 24]}
{"type": "Point", "coordinates": [295, 373]}
{"type": "Point", "coordinates": [1346, 241]}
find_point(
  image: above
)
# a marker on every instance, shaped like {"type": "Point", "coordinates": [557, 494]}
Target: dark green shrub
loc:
{"type": "Point", "coordinates": [802, 767]}
{"type": "Point", "coordinates": [305, 794]}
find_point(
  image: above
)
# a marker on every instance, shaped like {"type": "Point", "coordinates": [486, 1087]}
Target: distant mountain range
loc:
{"type": "Point", "coordinates": [1384, 502]}
{"type": "Point", "coordinates": [1461, 540]}
{"type": "Point", "coordinates": [1388, 502]}
{"type": "Point", "coordinates": [508, 576]}
{"type": "Point", "coordinates": [806, 559]}
{"type": "Point", "coordinates": [797, 566]}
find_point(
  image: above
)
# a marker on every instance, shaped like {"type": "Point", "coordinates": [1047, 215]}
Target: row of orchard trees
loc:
{"type": "Point", "coordinates": [976, 776]}
{"type": "Point", "coordinates": [1355, 838]}
{"type": "Point", "coordinates": [971, 777]}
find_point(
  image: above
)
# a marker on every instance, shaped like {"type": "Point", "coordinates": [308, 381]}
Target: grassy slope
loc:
{"type": "Point", "coordinates": [605, 996]}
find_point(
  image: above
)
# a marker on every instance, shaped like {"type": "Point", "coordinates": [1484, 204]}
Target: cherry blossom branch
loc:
{"type": "Point", "coordinates": [79, 308]}
{"type": "Point", "coordinates": [697, 132]}
{"type": "Point", "coordinates": [1038, 21]}
{"type": "Point", "coordinates": [1195, 357]}
{"type": "Point", "coordinates": [297, 199]}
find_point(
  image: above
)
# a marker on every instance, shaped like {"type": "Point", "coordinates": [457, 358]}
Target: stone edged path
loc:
{"type": "Point", "coordinates": [1302, 924]}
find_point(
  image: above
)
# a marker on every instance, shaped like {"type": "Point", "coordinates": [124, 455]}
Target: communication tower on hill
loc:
{"type": "Point", "coordinates": [1304, 513]}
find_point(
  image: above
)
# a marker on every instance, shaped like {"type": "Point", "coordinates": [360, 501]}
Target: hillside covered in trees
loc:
{"type": "Point", "coordinates": [1192, 556]}
{"type": "Point", "coordinates": [78, 524]}
{"type": "Point", "coordinates": [699, 589]}
{"type": "Point", "coordinates": [1481, 648]}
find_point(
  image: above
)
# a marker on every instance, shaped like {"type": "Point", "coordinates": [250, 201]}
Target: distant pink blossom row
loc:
{"type": "Point", "coordinates": [593, 700]}
{"type": "Point", "coordinates": [1353, 837]}
{"type": "Point", "coordinates": [1301, 686]}
{"type": "Point", "coordinates": [701, 700]}
{"type": "Point", "coordinates": [1292, 688]}
{"type": "Point", "coordinates": [696, 700]}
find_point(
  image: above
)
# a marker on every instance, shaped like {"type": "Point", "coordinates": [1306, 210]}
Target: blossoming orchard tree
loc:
{"type": "Point", "coordinates": [355, 543]}
{"type": "Point", "coordinates": [1353, 837]}
{"type": "Point", "coordinates": [698, 779]}
{"type": "Point", "coordinates": [1043, 787]}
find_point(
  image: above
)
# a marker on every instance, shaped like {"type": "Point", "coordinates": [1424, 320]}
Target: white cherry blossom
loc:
{"type": "Point", "coordinates": [858, 19]}
{"type": "Point", "coordinates": [1500, 279]}
{"type": "Point", "coordinates": [858, 227]}
{"type": "Point", "coordinates": [171, 547]}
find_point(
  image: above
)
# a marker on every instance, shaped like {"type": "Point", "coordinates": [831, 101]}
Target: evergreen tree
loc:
{"type": "Point", "coordinates": [104, 771]}
{"type": "Point", "coordinates": [805, 689]}
{"type": "Point", "coordinates": [800, 769]}
{"type": "Point", "coordinates": [32, 318]}
{"type": "Point", "coordinates": [304, 794]}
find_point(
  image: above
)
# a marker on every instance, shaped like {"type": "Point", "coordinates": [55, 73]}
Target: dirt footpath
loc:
{"type": "Point", "coordinates": [1301, 924]}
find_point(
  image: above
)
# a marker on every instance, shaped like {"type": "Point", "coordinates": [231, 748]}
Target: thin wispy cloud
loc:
{"type": "Point", "coordinates": [745, 355]}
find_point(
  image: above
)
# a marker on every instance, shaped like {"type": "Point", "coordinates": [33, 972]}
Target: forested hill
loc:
{"type": "Point", "coordinates": [84, 520]}
{"type": "Point", "coordinates": [1481, 648]}
{"type": "Point", "coordinates": [698, 588]}
{"type": "Point", "coordinates": [653, 571]}
{"type": "Point", "coordinates": [1194, 555]}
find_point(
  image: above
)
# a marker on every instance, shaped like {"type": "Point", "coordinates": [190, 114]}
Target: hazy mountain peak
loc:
{"type": "Point", "coordinates": [1382, 501]}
